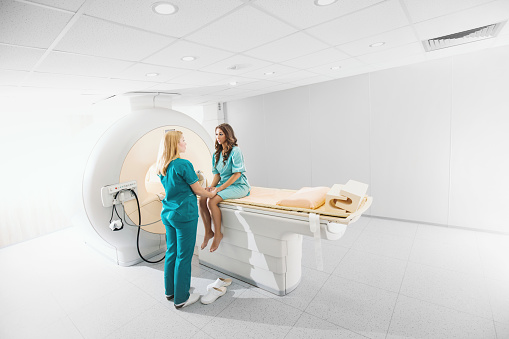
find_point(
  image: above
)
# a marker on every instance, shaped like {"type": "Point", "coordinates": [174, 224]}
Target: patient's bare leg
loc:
{"type": "Point", "coordinates": [216, 217]}
{"type": "Point", "coordinates": [205, 217]}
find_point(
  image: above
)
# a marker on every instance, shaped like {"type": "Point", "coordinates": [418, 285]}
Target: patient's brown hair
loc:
{"type": "Point", "coordinates": [229, 143]}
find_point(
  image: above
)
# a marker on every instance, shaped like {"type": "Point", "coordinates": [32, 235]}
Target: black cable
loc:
{"type": "Point", "coordinates": [114, 209]}
{"type": "Point", "coordinates": [125, 220]}
{"type": "Point", "coordinates": [138, 235]}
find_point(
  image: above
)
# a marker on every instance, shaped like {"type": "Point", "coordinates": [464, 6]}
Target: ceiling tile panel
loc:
{"type": "Point", "coordinates": [230, 91]}
{"type": "Point", "coordinates": [92, 36]}
{"type": "Point", "coordinates": [19, 58]}
{"type": "Point", "coordinates": [294, 76]}
{"type": "Point", "coordinates": [260, 84]}
{"type": "Point", "coordinates": [396, 62]}
{"type": "Point", "coordinates": [123, 86]}
{"type": "Point", "coordinates": [275, 69]}
{"type": "Point", "coordinates": [12, 78]}
{"type": "Point", "coordinates": [290, 47]}
{"type": "Point", "coordinates": [424, 10]}
{"type": "Point", "coordinates": [397, 37]}
{"type": "Point", "coordinates": [46, 80]}
{"type": "Point", "coordinates": [243, 64]}
{"type": "Point", "coordinates": [304, 13]}
{"type": "Point", "coordinates": [202, 90]}
{"type": "Point", "coordinates": [312, 80]}
{"type": "Point", "coordinates": [501, 40]}
{"type": "Point", "coordinates": [198, 78]}
{"type": "Point", "coordinates": [138, 13]}
{"type": "Point", "coordinates": [479, 16]}
{"type": "Point", "coordinates": [344, 65]}
{"type": "Point", "coordinates": [7, 91]}
{"type": "Point", "coordinates": [68, 63]}
{"type": "Point", "coordinates": [317, 58]}
{"type": "Point", "coordinates": [139, 71]}
{"type": "Point", "coordinates": [172, 87]}
{"type": "Point", "coordinates": [172, 55]}
{"type": "Point", "coordinates": [240, 81]}
{"type": "Point", "coordinates": [70, 5]}
{"type": "Point", "coordinates": [29, 25]}
{"type": "Point", "coordinates": [273, 89]}
{"type": "Point", "coordinates": [393, 53]}
{"type": "Point", "coordinates": [115, 43]}
{"type": "Point", "coordinates": [374, 20]}
{"type": "Point", "coordinates": [241, 31]}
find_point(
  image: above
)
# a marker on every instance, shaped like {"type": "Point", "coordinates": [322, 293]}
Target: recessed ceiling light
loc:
{"type": "Point", "coordinates": [233, 83]}
{"type": "Point", "coordinates": [269, 73]}
{"type": "Point", "coordinates": [188, 58]}
{"type": "Point", "coordinates": [377, 44]}
{"type": "Point", "coordinates": [324, 2]}
{"type": "Point", "coordinates": [164, 8]}
{"type": "Point", "coordinates": [151, 74]}
{"type": "Point", "coordinates": [334, 68]}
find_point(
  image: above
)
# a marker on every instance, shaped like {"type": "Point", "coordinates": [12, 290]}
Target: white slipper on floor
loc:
{"type": "Point", "coordinates": [220, 282]}
{"type": "Point", "coordinates": [212, 295]}
{"type": "Point", "coordinates": [194, 297]}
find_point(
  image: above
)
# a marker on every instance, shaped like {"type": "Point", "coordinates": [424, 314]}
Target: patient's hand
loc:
{"type": "Point", "coordinates": [212, 191]}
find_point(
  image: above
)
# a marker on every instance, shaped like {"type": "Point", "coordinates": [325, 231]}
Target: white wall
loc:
{"type": "Point", "coordinates": [410, 141]}
{"type": "Point", "coordinates": [430, 139]}
{"type": "Point", "coordinates": [44, 153]}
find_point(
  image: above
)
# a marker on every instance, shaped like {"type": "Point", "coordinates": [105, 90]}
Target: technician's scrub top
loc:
{"type": "Point", "coordinates": [234, 164]}
{"type": "Point", "coordinates": [180, 203]}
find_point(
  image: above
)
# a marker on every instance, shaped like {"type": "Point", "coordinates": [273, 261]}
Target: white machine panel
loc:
{"type": "Point", "coordinates": [108, 193]}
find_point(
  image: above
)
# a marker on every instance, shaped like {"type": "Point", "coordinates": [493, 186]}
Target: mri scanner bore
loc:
{"type": "Point", "coordinates": [262, 240]}
{"type": "Point", "coordinates": [126, 153]}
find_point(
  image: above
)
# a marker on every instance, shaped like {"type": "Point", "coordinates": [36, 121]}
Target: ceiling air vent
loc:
{"type": "Point", "coordinates": [471, 35]}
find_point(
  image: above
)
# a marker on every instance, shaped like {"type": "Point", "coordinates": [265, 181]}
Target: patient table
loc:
{"type": "Point", "coordinates": [262, 243]}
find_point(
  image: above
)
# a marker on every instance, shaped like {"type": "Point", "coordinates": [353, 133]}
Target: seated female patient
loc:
{"type": "Point", "coordinates": [229, 178]}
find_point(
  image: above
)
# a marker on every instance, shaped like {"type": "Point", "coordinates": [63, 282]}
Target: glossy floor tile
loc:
{"type": "Point", "coordinates": [383, 279]}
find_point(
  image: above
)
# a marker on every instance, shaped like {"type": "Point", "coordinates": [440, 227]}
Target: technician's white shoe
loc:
{"type": "Point", "coordinates": [212, 295]}
{"type": "Point", "coordinates": [220, 282]}
{"type": "Point", "coordinates": [194, 297]}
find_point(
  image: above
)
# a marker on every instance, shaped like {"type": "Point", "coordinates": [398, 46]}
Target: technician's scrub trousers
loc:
{"type": "Point", "coordinates": [180, 241]}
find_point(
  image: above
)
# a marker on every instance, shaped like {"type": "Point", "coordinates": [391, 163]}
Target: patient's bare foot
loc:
{"type": "Point", "coordinates": [206, 238]}
{"type": "Point", "coordinates": [215, 243]}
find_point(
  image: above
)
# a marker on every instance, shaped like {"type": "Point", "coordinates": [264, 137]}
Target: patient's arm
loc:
{"type": "Point", "coordinates": [215, 181]}
{"type": "Point", "coordinates": [202, 192]}
{"type": "Point", "coordinates": [230, 181]}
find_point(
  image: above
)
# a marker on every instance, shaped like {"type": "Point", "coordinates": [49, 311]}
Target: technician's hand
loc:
{"type": "Point", "coordinates": [212, 191]}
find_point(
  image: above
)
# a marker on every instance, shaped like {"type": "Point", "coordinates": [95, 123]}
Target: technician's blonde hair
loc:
{"type": "Point", "coordinates": [168, 151]}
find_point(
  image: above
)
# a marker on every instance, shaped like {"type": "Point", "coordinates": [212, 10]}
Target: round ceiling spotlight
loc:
{"type": "Point", "coordinates": [151, 74]}
{"type": "Point", "coordinates": [233, 83]}
{"type": "Point", "coordinates": [164, 8]}
{"type": "Point", "coordinates": [188, 58]}
{"type": "Point", "coordinates": [335, 68]}
{"type": "Point", "coordinates": [377, 44]}
{"type": "Point", "coordinates": [269, 73]}
{"type": "Point", "coordinates": [324, 2]}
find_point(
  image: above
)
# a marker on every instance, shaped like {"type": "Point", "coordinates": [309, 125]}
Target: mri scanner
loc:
{"type": "Point", "coordinates": [261, 245]}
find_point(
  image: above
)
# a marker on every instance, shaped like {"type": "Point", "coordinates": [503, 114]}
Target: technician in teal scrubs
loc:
{"type": "Point", "coordinates": [180, 216]}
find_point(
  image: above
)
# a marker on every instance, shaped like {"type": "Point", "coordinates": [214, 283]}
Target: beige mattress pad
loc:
{"type": "Point", "coordinates": [266, 198]}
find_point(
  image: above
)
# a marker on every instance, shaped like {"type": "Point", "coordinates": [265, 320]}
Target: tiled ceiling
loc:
{"type": "Point", "coordinates": [242, 48]}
